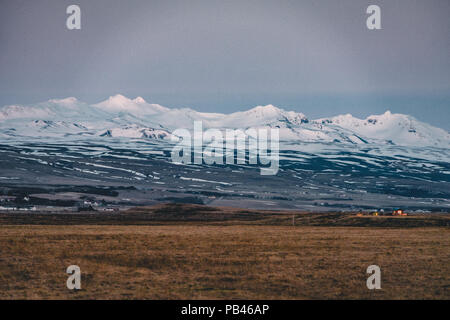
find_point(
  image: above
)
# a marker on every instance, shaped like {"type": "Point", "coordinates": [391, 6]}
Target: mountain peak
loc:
{"type": "Point", "coordinates": [265, 110]}
{"type": "Point", "coordinates": [139, 100]}
{"type": "Point", "coordinates": [118, 98]}
{"type": "Point", "coordinates": [117, 102]}
{"type": "Point", "coordinates": [138, 105]}
{"type": "Point", "coordinates": [269, 107]}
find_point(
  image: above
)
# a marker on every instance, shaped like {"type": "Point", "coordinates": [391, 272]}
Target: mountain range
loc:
{"type": "Point", "coordinates": [121, 117]}
{"type": "Point", "coordinates": [69, 149]}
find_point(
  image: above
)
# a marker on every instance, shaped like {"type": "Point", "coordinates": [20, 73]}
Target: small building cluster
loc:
{"type": "Point", "coordinates": [399, 212]}
{"type": "Point", "coordinates": [396, 212]}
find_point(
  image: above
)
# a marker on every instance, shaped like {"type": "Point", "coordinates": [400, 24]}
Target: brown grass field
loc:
{"type": "Point", "coordinates": [192, 257]}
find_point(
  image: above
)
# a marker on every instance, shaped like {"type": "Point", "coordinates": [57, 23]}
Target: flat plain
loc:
{"type": "Point", "coordinates": [231, 257]}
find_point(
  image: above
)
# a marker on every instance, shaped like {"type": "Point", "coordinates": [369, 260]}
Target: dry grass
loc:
{"type": "Point", "coordinates": [176, 214]}
{"type": "Point", "coordinates": [216, 262]}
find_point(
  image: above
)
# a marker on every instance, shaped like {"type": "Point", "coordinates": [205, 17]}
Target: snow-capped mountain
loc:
{"type": "Point", "coordinates": [119, 116]}
{"type": "Point", "coordinates": [137, 106]}
{"type": "Point", "coordinates": [396, 128]}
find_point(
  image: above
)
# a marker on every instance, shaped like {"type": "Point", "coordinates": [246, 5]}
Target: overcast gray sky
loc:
{"type": "Point", "coordinates": [313, 56]}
